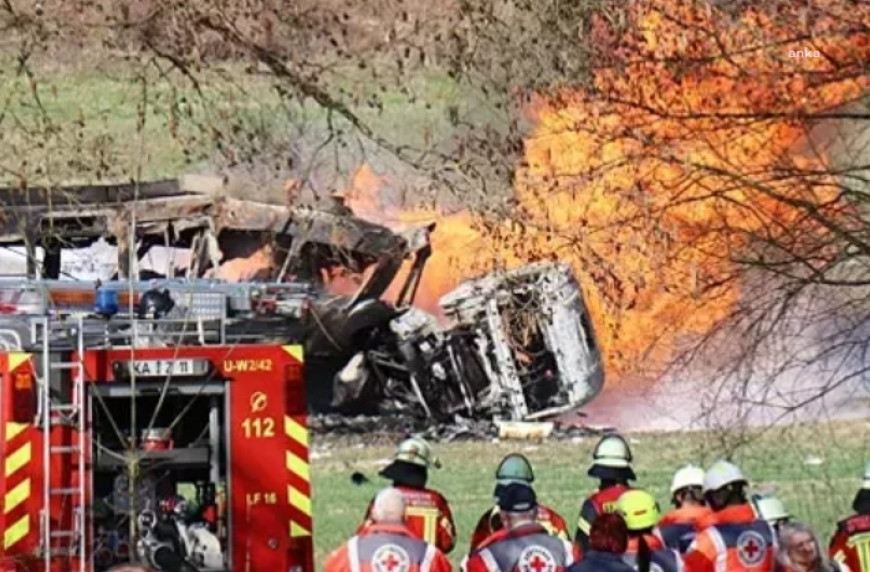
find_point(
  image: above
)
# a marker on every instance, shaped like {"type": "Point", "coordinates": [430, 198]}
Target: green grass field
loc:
{"type": "Point", "coordinates": [107, 121]}
{"type": "Point", "coordinates": [815, 469]}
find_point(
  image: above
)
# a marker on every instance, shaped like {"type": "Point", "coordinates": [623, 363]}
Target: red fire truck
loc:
{"type": "Point", "coordinates": [163, 423]}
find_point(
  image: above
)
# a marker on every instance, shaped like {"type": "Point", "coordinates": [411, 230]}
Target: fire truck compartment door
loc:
{"type": "Point", "coordinates": [267, 550]}
{"type": "Point", "coordinates": [263, 456]}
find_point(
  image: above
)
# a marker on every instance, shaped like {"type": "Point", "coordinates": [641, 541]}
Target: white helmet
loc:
{"type": "Point", "coordinates": [722, 473]}
{"type": "Point", "coordinates": [612, 451]}
{"type": "Point", "coordinates": [417, 452]}
{"type": "Point", "coordinates": [866, 483]}
{"type": "Point", "coordinates": [771, 509]}
{"type": "Point", "coordinates": [688, 476]}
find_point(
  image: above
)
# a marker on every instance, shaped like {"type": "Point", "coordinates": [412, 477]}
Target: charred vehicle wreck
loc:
{"type": "Point", "coordinates": [519, 345]}
{"type": "Point", "coordinates": [516, 345]}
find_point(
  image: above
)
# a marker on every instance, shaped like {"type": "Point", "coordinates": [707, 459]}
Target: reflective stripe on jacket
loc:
{"type": "Point", "coordinates": [382, 547]}
{"type": "Point", "coordinates": [851, 543]}
{"type": "Point", "coordinates": [527, 548]}
{"type": "Point", "coordinates": [732, 540]}
{"type": "Point", "coordinates": [598, 503]}
{"type": "Point", "coordinates": [490, 522]}
{"type": "Point", "coordinates": [427, 515]}
{"type": "Point", "coordinates": [679, 526]}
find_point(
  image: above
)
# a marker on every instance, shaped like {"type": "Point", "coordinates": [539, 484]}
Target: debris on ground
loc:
{"type": "Point", "coordinates": [330, 430]}
{"type": "Point", "coordinates": [524, 430]}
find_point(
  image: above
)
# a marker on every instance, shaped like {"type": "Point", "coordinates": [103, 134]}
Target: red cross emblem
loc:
{"type": "Point", "coordinates": [390, 558]}
{"type": "Point", "coordinates": [390, 562]}
{"type": "Point", "coordinates": [537, 564]}
{"type": "Point", "coordinates": [536, 559]}
{"type": "Point", "coordinates": [751, 547]}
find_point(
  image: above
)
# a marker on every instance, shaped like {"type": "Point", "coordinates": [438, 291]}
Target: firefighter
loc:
{"type": "Point", "coordinates": [732, 538]}
{"type": "Point", "coordinates": [677, 527]}
{"type": "Point", "coordinates": [515, 468]}
{"type": "Point", "coordinates": [428, 514]}
{"type": "Point", "coordinates": [611, 465]}
{"type": "Point", "coordinates": [645, 549]}
{"type": "Point", "coordinates": [850, 544]}
{"type": "Point", "coordinates": [771, 509]}
{"type": "Point", "coordinates": [387, 544]}
{"type": "Point", "coordinates": [523, 545]}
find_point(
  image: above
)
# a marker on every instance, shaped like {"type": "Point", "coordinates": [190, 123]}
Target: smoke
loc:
{"type": "Point", "coordinates": [780, 361]}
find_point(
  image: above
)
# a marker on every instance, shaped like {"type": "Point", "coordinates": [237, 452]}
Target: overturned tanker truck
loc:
{"type": "Point", "coordinates": [516, 344]}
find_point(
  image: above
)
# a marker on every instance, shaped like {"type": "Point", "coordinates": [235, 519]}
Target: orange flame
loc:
{"type": "Point", "coordinates": [684, 155]}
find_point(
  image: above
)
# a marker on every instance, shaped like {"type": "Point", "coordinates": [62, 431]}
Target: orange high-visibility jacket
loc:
{"type": "Point", "coordinates": [386, 548]}
{"type": "Point", "coordinates": [732, 540]}
{"type": "Point", "coordinates": [679, 526]}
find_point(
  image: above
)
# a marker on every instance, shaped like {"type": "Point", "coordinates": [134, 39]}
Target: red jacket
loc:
{"type": "Point", "coordinates": [491, 522]}
{"type": "Point", "coordinates": [386, 547]}
{"type": "Point", "coordinates": [526, 548]}
{"type": "Point", "coordinates": [850, 544]}
{"type": "Point", "coordinates": [679, 526]}
{"type": "Point", "coordinates": [427, 515]}
{"type": "Point", "coordinates": [597, 503]}
{"type": "Point", "coordinates": [732, 539]}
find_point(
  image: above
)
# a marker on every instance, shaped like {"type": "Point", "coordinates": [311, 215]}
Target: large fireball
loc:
{"type": "Point", "coordinates": [659, 180]}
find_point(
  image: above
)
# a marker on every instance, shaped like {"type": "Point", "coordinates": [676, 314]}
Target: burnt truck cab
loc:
{"type": "Point", "coordinates": [518, 345]}
{"type": "Point", "coordinates": [178, 439]}
{"type": "Point", "coordinates": [533, 338]}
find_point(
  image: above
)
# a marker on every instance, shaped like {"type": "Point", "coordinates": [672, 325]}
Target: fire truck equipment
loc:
{"type": "Point", "coordinates": [112, 423]}
{"type": "Point", "coordinates": [168, 542]}
{"type": "Point", "coordinates": [157, 439]}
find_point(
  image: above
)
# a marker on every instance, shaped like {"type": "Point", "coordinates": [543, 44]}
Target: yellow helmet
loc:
{"type": "Point", "coordinates": [417, 452]}
{"type": "Point", "coordinates": [639, 509]}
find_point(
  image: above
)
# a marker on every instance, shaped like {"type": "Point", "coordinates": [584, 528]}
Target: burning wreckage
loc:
{"type": "Point", "coordinates": [518, 344]}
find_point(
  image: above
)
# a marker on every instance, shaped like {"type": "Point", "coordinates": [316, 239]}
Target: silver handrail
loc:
{"type": "Point", "coordinates": [16, 344]}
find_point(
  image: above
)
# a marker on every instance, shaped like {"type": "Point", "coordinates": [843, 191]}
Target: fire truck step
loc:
{"type": "Point", "coordinates": [65, 365]}
{"type": "Point", "coordinates": [64, 534]}
{"type": "Point", "coordinates": [65, 449]}
{"type": "Point", "coordinates": [63, 407]}
{"type": "Point", "coordinates": [63, 492]}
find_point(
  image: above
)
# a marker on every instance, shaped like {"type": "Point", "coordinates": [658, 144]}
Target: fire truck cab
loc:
{"type": "Point", "coordinates": [158, 422]}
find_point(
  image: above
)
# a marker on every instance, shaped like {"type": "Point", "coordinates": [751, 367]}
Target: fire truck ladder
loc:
{"type": "Point", "coordinates": [72, 415]}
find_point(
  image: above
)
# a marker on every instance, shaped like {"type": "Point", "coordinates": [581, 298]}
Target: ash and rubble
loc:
{"type": "Point", "coordinates": [517, 345]}
{"type": "Point", "coordinates": [331, 430]}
